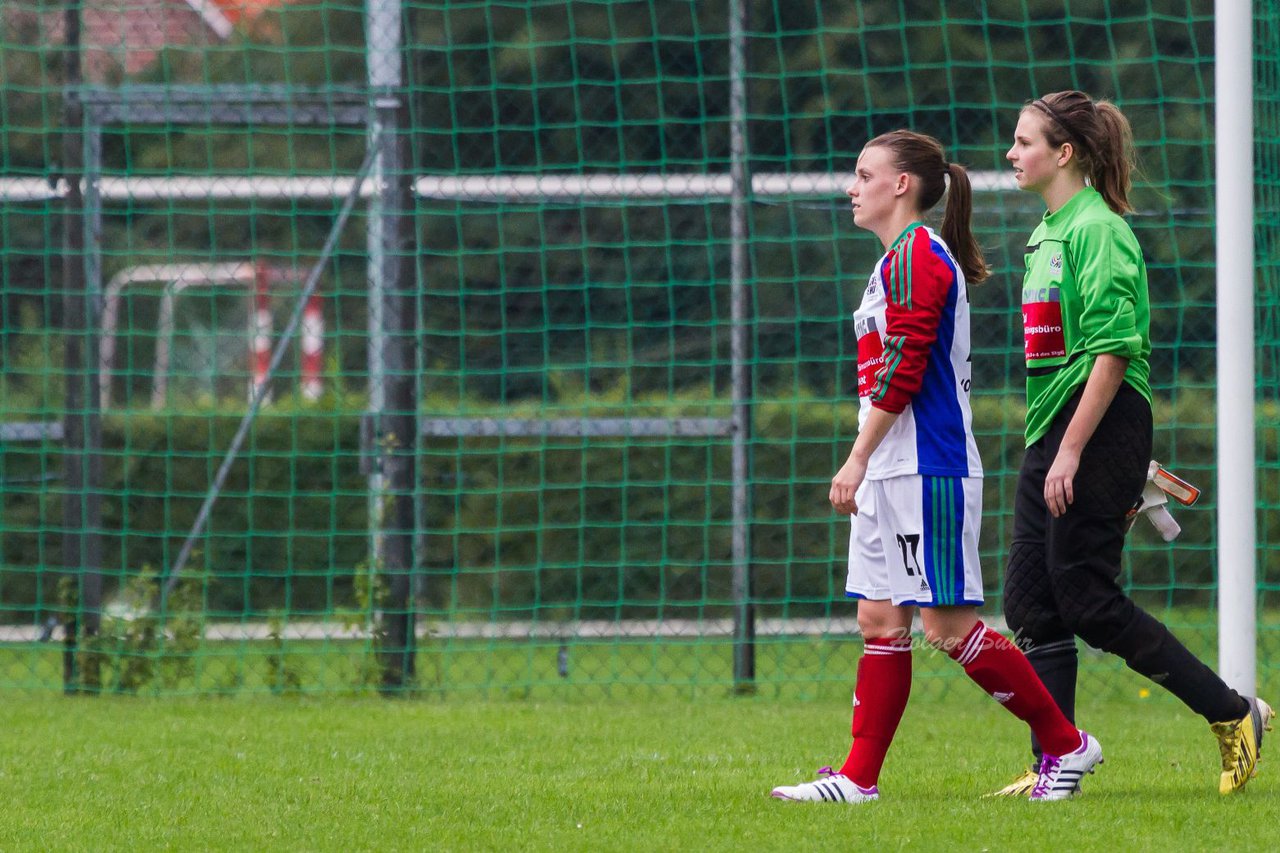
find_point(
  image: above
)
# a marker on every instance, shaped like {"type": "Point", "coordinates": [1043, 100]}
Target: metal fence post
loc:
{"type": "Point", "coordinates": [392, 358]}
{"type": "Point", "coordinates": [744, 664]}
{"type": "Point", "coordinates": [82, 423]}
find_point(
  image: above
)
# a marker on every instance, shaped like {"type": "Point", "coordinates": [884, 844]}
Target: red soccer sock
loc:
{"type": "Point", "coordinates": [1000, 668]}
{"type": "Point", "coordinates": [879, 698]}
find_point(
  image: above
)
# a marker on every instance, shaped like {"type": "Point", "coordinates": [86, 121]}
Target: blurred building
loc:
{"type": "Point", "coordinates": [120, 38]}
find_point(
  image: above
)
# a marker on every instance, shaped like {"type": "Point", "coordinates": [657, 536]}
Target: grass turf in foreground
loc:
{"type": "Point", "coordinates": [365, 774]}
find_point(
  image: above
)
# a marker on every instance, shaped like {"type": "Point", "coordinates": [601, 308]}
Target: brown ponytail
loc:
{"type": "Point", "coordinates": [1101, 137]}
{"type": "Point", "coordinates": [956, 228]}
{"type": "Point", "coordinates": [921, 155]}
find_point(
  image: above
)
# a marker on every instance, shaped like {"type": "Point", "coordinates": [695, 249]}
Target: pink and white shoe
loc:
{"type": "Point", "coordinates": [828, 788]}
{"type": "Point", "coordinates": [1060, 775]}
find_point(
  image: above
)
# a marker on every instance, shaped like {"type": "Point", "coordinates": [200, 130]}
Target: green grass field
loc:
{"type": "Point", "coordinates": [627, 773]}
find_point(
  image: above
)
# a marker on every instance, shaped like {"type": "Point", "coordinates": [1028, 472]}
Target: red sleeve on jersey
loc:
{"type": "Point", "coordinates": [917, 282]}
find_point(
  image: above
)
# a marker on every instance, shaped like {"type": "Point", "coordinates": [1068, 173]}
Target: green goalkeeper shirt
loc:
{"type": "Point", "coordinates": [1084, 294]}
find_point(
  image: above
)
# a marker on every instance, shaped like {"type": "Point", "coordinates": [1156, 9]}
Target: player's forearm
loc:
{"type": "Point", "coordinates": [872, 433]}
{"type": "Point", "coordinates": [1099, 390]}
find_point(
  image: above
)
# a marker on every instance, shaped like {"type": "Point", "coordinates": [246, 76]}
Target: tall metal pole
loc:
{"type": "Point", "coordinates": [392, 348]}
{"type": "Point", "coordinates": [82, 424]}
{"type": "Point", "coordinates": [744, 663]}
{"type": "Point", "coordinates": [1237, 502]}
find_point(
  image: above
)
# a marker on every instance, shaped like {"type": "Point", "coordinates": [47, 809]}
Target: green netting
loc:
{"type": "Point", "coordinates": [571, 521]}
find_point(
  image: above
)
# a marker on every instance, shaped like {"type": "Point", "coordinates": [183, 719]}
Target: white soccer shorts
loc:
{"type": "Point", "coordinates": [915, 541]}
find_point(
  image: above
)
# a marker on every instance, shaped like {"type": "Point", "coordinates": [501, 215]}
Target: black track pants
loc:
{"type": "Point", "coordinates": [1062, 577]}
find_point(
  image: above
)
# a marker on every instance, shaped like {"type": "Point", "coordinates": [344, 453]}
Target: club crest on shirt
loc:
{"type": "Point", "coordinates": [1055, 265]}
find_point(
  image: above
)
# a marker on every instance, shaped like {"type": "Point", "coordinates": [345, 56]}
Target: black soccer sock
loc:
{"type": "Point", "coordinates": [1151, 649]}
{"type": "Point", "coordinates": [1056, 663]}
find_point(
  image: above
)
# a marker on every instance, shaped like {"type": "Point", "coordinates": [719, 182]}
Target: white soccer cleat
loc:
{"type": "Point", "coordinates": [1060, 775]}
{"type": "Point", "coordinates": [830, 788]}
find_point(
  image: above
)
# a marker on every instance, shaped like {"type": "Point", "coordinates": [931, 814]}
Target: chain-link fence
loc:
{"type": "Point", "coordinates": [492, 347]}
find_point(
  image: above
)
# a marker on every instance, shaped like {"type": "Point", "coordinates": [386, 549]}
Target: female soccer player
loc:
{"type": "Point", "coordinates": [913, 479]}
{"type": "Point", "coordinates": [1089, 430]}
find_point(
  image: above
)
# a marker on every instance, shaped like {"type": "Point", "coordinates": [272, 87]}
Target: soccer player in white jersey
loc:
{"type": "Point", "coordinates": [912, 482]}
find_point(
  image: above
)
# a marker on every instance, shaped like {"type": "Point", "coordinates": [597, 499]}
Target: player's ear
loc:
{"type": "Point", "coordinates": [904, 184]}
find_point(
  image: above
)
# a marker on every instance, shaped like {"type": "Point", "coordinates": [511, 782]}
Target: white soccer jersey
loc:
{"type": "Point", "coordinates": [914, 358]}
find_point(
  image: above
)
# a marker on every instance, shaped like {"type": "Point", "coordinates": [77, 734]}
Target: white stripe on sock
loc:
{"type": "Point", "coordinates": [974, 645]}
{"type": "Point", "coordinates": [886, 648]}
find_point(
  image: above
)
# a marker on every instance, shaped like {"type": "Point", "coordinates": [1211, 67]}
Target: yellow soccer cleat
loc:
{"type": "Point", "coordinates": [1241, 744]}
{"type": "Point", "coordinates": [1020, 787]}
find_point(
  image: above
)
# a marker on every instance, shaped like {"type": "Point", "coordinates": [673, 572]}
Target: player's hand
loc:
{"type": "Point", "coordinates": [844, 486]}
{"type": "Point", "coordinates": [1058, 483]}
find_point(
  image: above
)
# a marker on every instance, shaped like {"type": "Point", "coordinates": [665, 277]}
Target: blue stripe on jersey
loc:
{"type": "Point", "coordinates": [941, 441]}
{"type": "Point", "coordinates": [943, 514]}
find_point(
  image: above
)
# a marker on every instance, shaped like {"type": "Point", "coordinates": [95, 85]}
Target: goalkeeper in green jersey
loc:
{"type": "Point", "coordinates": [1085, 316]}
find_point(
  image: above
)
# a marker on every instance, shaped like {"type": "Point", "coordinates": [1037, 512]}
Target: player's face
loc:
{"type": "Point", "coordinates": [1035, 161]}
{"type": "Point", "coordinates": [874, 187]}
